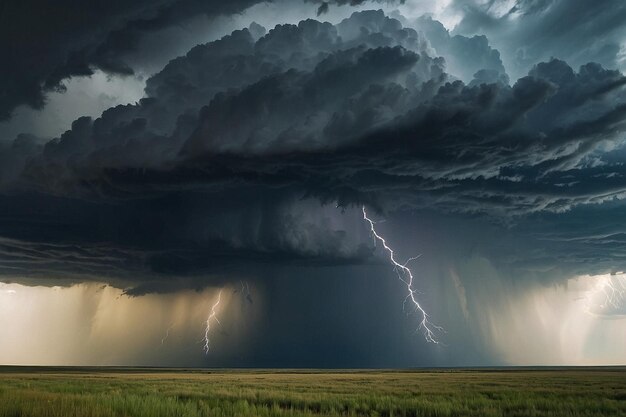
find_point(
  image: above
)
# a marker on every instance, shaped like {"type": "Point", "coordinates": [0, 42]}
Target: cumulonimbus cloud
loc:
{"type": "Point", "coordinates": [365, 111]}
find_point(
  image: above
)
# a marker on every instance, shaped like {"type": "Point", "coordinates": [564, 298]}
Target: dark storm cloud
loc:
{"type": "Point", "coordinates": [577, 31]}
{"type": "Point", "coordinates": [325, 4]}
{"type": "Point", "coordinates": [44, 43]}
{"type": "Point", "coordinates": [225, 162]}
{"type": "Point", "coordinates": [465, 56]}
{"type": "Point", "coordinates": [493, 146]}
{"type": "Point", "coordinates": [52, 239]}
{"type": "Point", "coordinates": [149, 135]}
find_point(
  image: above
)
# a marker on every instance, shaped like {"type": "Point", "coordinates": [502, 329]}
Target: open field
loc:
{"type": "Point", "coordinates": [120, 392]}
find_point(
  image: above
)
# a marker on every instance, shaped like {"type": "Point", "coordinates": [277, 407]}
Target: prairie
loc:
{"type": "Point", "coordinates": [103, 392]}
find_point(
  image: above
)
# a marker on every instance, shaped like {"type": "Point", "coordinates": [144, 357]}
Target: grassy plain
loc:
{"type": "Point", "coordinates": [35, 392]}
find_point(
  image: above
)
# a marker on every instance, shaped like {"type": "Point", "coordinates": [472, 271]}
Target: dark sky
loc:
{"type": "Point", "coordinates": [211, 143]}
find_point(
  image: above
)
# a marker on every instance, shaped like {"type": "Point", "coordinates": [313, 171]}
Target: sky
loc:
{"type": "Point", "coordinates": [306, 183]}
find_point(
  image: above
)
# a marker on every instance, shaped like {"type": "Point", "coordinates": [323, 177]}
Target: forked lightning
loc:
{"type": "Point", "coordinates": [406, 276]}
{"type": "Point", "coordinates": [212, 317]}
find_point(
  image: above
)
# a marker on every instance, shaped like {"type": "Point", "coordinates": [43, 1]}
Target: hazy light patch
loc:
{"type": "Point", "coordinates": [498, 9]}
{"type": "Point", "coordinates": [621, 58]}
{"type": "Point", "coordinates": [85, 96]}
{"type": "Point", "coordinates": [607, 298]}
{"type": "Point", "coordinates": [530, 324]}
{"type": "Point", "coordinates": [441, 10]}
{"type": "Point", "coordinates": [269, 14]}
{"type": "Point", "coordinates": [94, 324]}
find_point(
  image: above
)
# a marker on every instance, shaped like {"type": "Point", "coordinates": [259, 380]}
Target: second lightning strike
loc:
{"type": "Point", "coordinates": [406, 276]}
{"type": "Point", "coordinates": [608, 294]}
{"type": "Point", "coordinates": [167, 333]}
{"type": "Point", "coordinates": [207, 328]}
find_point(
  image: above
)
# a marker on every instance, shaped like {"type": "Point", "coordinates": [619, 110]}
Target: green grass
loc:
{"type": "Point", "coordinates": [140, 392]}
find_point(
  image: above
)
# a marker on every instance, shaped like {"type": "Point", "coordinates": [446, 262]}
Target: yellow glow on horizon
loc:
{"type": "Point", "coordinates": [96, 324]}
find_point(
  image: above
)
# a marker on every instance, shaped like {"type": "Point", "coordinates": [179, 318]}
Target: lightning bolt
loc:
{"type": "Point", "coordinates": [613, 291]}
{"type": "Point", "coordinates": [212, 316]}
{"type": "Point", "coordinates": [167, 333]}
{"type": "Point", "coordinates": [406, 276]}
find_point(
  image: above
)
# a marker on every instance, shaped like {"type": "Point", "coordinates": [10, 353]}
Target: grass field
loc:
{"type": "Point", "coordinates": [585, 392]}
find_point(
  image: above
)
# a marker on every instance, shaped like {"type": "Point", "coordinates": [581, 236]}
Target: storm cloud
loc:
{"type": "Point", "coordinates": [481, 135]}
{"type": "Point", "coordinates": [47, 43]}
{"type": "Point", "coordinates": [242, 150]}
{"type": "Point", "coordinates": [529, 31]}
